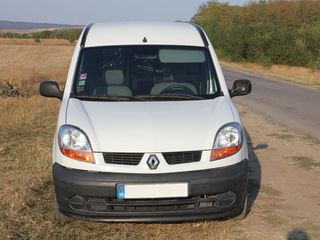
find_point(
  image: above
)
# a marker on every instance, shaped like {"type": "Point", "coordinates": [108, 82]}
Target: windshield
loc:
{"type": "Point", "coordinates": [145, 73]}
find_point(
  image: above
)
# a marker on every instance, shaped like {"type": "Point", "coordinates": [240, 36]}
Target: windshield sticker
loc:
{"type": "Point", "coordinates": [81, 83]}
{"type": "Point", "coordinates": [83, 76]}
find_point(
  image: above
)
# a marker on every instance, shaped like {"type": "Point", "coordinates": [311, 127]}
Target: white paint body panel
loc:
{"type": "Point", "coordinates": [148, 127]}
{"type": "Point", "coordinates": [133, 33]}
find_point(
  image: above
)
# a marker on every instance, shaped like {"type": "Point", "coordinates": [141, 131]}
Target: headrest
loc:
{"type": "Point", "coordinates": [114, 77]}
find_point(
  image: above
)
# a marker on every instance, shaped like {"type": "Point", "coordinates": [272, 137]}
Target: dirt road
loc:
{"type": "Point", "coordinates": [284, 179]}
{"type": "Point", "coordinates": [283, 124]}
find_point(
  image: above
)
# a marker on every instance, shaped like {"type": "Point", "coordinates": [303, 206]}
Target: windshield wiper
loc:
{"type": "Point", "coordinates": [170, 96]}
{"type": "Point", "coordinates": [107, 98]}
{"type": "Point", "coordinates": [144, 97]}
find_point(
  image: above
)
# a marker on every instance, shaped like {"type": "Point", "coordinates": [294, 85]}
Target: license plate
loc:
{"type": "Point", "coordinates": [160, 190]}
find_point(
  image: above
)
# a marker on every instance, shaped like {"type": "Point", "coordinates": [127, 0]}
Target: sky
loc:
{"type": "Point", "coordinates": [86, 11]}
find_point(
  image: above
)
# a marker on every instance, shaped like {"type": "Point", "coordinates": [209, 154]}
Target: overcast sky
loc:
{"type": "Point", "coordinates": [86, 11]}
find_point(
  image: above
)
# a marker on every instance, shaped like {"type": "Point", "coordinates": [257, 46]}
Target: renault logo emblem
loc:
{"type": "Point", "coordinates": [153, 162]}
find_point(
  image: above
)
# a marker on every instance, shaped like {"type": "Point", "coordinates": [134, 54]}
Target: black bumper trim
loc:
{"type": "Point", "coordinates": [71, 182]}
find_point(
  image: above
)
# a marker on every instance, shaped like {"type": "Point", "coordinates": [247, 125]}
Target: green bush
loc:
{"type": "Point", "coordinates": [266, 32]}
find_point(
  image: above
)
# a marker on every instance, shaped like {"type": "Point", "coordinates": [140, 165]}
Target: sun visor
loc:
{"type": "Point", "coordinates": [181, 56]}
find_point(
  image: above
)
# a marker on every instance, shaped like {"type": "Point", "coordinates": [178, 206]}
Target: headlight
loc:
{"type": "Point", "coordinates": [74, 144]}
{"type": "Point", "coordinates": [228, 141]}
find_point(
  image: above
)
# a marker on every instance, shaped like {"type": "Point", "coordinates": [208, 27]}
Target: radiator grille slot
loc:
{"type": "Point", "coordinates": [123, 158]}
{"type": "Point", "coordinates": [182, 157]}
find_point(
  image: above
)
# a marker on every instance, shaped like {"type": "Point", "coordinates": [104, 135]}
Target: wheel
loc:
{"type": "Point", "coordinates": [58, 216]}
{"type": "Point", "coordinates": [243, 214]}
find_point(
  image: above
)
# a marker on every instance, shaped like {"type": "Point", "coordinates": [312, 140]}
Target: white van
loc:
{"type": "Point", "coordinates": [147, 130]}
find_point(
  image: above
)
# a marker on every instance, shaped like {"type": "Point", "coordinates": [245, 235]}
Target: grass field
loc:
{"type": "Point", "coordinates": [27, 125]}
{"type": "Point", "coordinates": [25, 63]}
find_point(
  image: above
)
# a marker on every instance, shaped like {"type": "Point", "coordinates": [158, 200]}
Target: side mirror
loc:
{"type": "Point", "coordinates": [240, 88]}
{"type": "Point", "coordinates": [50, 89]}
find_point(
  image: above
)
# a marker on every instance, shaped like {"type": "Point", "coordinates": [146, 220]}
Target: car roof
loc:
{"type": "Point", "coordinates": [147, 33]}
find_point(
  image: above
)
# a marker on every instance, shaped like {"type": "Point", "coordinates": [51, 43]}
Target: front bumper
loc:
{"type": "Point", "coordinates": [213, 193]}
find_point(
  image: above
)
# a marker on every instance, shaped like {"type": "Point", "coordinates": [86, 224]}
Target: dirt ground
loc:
{"type": "Point", "coordinates": [284, 184]}
{"type": "Point", "coordinates": [284, 181]}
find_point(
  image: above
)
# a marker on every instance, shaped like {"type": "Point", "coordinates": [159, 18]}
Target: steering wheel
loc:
{"type": "Point", "coordinates": [177, 89]}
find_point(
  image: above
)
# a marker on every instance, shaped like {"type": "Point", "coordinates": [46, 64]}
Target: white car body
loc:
{"type": "Point", "coordinates": [155, 127]}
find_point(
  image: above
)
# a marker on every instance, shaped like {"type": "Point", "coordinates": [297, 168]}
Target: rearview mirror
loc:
{"type": "Point", "coordinates": [50, 89]}
{"type": "Point", "coordinates": [240, 88]}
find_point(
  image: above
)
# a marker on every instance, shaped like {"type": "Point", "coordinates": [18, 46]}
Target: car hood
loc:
{"type": "Point", "coordinates": [158, 126]}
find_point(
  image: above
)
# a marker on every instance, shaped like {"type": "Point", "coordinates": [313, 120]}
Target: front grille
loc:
{"type": "Point", "coordinates": [95, 204]}
{"type": "Point", "coordinates": [135, 158]}
{"type": "Point", "coordinates": [123, 158]}
{"type": "Point", "coordinates": [182, 157]}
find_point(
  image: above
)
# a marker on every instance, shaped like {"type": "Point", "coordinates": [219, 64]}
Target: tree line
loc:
{"type": "Point", "coordinates": [266, 32]}
{"type": "Point", "coordinates": [71, 34]}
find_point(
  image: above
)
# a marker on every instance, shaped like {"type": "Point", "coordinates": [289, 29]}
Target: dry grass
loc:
{"type": "Point", "coordinates": [299, 75]}
{"type": "Point", "coordinates": [306, 162]}
{"type": "Point", "coordinates": [27, 30]}
{"type": "Point", "coordinates": [25, 63]}
{"type": "Point", "coordinates": [43, 42]}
